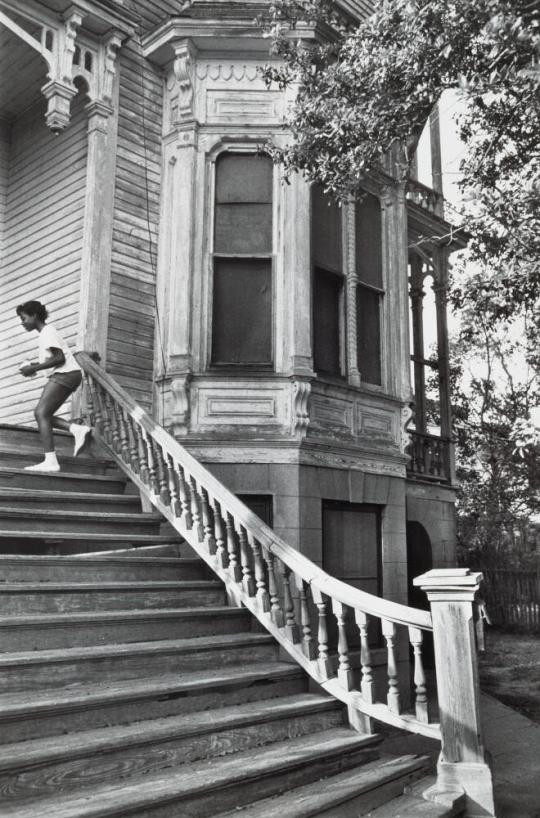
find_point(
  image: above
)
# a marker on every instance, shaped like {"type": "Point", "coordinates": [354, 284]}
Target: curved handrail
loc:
{"type": "Point", "coordinates": [257, 565]}
{"type": "Point", "coordinates": [310, 572]}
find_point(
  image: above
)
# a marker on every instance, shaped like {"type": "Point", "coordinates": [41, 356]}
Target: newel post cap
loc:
{"type": "Point", "coordinates": [445, 584]}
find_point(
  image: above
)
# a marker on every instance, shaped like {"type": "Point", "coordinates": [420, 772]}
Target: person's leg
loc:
{"type": "Point", "coordinates": [52, 398]}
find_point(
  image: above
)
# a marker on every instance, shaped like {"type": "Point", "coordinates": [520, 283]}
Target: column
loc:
{"type": "Point", "coordinates": [351, 278]}
{"type": "Point", "coordinates": [440, 288]}
{"type": "Point", "coordinates": [417, 296]}
{"type": "Point", "coordinates": [462, 764]}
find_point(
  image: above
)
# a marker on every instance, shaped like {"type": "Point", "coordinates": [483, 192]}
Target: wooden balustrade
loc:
{"type": "Point", "coordinates": [425, 197]}
{"type": "Point", "coordinates": [430, 457]}
{"type": "Point", "coordinates": [349, 641]}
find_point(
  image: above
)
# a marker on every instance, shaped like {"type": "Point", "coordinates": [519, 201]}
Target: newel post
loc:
{"type": "Point", "coordinates": [462, 765]}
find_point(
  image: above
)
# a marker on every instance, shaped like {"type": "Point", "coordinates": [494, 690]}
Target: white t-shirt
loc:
{"type": "Point", "coordinates": [49, 338]}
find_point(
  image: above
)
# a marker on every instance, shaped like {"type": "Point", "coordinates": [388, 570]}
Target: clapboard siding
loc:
{"type": "Point", "coordinates": [42, 244]}
{"type": "Point", "coordinates": [5, 137]}
{"type": "Point", "coordinates": [130, 339]}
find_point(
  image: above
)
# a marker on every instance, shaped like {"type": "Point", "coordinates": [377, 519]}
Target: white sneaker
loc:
{"type": "Point", "coordinates": [43, 467]}
{"type": "Point", "coordinates": [81, 435]}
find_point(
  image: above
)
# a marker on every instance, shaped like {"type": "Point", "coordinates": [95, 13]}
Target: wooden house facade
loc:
{"type": "Point", "coordinates": [262, 324]}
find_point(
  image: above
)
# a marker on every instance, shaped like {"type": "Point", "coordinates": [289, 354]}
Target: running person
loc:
{"type": "Point", "coordinates": [64, 378]}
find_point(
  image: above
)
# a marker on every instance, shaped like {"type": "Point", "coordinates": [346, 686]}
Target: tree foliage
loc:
{"type": "Point", "coordinates": [366, 90]}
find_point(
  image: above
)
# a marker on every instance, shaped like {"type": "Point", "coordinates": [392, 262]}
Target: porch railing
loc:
{"type": "Point", "coordinates": [353, 644]}
{"type": "Point", "coordinates": [430, 457]}
{"type": "Point", "coordinates": [425, 197]}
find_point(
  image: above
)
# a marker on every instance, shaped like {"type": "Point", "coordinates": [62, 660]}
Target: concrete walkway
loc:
{"type": "Point", "coordinates": [514, 743]}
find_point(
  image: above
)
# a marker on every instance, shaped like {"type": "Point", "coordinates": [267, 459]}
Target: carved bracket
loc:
{"type": "Point", "coordinates": [180, 403]}
{"type": "Point", "coordinates": [69, 55]}
{"type": "Point", "coordinates": [300, 413]}
{"type": "Point", "coordinates": [406, 415]}
{"type": "Point", "coordinates": [182, 98]}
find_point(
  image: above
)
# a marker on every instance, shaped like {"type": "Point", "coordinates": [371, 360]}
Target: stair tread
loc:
{"type": "Point", "coordinates": [102, 536]}
{"type": "Point", "coordinates": [78, 559]}
{"type": "Point", "coordinates": [198, 777]}
{"type": "Point", "coordinates": [121, 614]}
{"type": "Point", "coordinates": [27, 450]}
{"type": "Point", "coordinates": [13, 492]}
{"type": "Point", "coordinates": [74, 696]}
{"type": "Point", "coordinates": [188, 645]}
{"type": "Point", "coordinates": [133, 585]}
{"type": "Point", "coordinates": [309, 799]}
{"type": "Point", "coordinates": [61, 514]}
{"type": "Point", "coordinates": [101, 478]}
{"type": "Point", "coordinates": [99, 740]}
{"type": "Point", "coordinates": [408, 806]}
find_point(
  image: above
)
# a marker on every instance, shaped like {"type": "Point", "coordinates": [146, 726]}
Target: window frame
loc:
{"type": "Point", "coordinates": [342, 298]}
{"type": "Point", "coordinates": [231, 368]}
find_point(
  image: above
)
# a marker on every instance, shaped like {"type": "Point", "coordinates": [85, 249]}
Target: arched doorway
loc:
{"type": "Point", "coordinates": [419, 560]}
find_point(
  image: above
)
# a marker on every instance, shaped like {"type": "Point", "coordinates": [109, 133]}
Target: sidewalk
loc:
{"type": "Point", "coordinates": [514, 744]}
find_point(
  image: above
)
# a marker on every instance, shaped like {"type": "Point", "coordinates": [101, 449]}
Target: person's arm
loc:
{"type": "Point", "coordinates": [57, 359]}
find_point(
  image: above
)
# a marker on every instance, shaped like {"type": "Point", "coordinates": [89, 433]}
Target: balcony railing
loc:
{"type": "Point", "coordinates": [425, 197]}
{"type": "Point", "coordinates": [430, 457]}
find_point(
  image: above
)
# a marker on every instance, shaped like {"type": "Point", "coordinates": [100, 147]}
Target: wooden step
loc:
{"type": "Point", "coordinates": [81, 707]}
{"type": "Point", "coordinates": [55, 521]}
{"type": "Point", "coordinates": [13, 436]}
{"type": "Point", "coordinates": [68, 501]}
{"type": "Point", "coordinates": [19, 457]}
{"type": "Point", "coordinates": [49, 631]}
{"type": "Point", "coordinates": [71, 543]}
{"type": "Point", "coordinates": [39, 669]}
{"type": "Point", "coordinates": [80, 481]}
{"type": "Point", "coordinates": [345, 795]}
{"type": "Point", "coordinates": [27, 598]}
{"type": "Point", "coordinates": [35, 568]}
{"type": "Point", "coordinates": [202, 788]}
{"type": "Point", "coordinates": [77, 760]}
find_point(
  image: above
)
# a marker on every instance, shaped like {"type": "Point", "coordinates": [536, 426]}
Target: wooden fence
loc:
{"type": "Point", "coordinates": [513, 598]}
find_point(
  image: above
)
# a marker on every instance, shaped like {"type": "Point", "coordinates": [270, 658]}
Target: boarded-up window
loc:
{"type": "Point", "coordinates": [242, 292]}
{"type": "Point", "coordinates": [326, 252]}
{"type": "Point", "coordinates": [370, 292]}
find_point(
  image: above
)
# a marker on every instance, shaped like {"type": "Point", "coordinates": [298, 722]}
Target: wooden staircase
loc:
{"type": "Point", "coordinates": [128, 685]}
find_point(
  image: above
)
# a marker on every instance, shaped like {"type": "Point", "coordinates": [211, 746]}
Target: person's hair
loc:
{"type": "Point", "coordinates": [35, 308]}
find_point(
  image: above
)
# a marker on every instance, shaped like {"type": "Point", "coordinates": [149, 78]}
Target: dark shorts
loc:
{"type": "Point", "coordinates": [69, 380]}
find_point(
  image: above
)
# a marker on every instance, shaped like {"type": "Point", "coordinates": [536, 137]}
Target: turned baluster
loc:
{"type": "Point", "coordinates": [122, 430]}
{"type": "Point", "coordinates": [111, 411]}
{"type": "Point", "coordinates": [235, 570]}
{"type": "Point", "coordinates": [89, 399]}
{"type": "Point", "coordinates": [143, 454]}
{"type": "Point", "coordinates": [107, 431]}
{"type": "Point", "coordinates": [416, 637]}
{"type": "Point", "coordinates": [185, 499]}
{"type": "Point", "coordinates": [161, 472]}
{"type": "Point", "coordinates": [260, 577]}
{"type": "Point", "coordinates": [390, 632]}
{"type": "Point", "coordinates": [275, 606]}
{"type": "Point", "coordinates": [323, 659]}
{"type": "Point", "coordinates": [221, 542]}
{"type": "Point", "coordinates": [308, 645]}
{"type": "Point", "coordinates": [207, 523]}
{"type": "Point", "coordinates": [176, 506]}
{"type": "Point", "coordinates": [152, 476]}
{"type": "Point", "coordinates": [248, 582]}
{"type": "Point", "coordinates": [367, 684]}
{"type": "Point", "coordinates": [133, 447]}
{"type": "Point", "coordinates": [195, 510]}
{"type": "Point", "coordinates": [345, 673]}
{"type": "Point", "coordinates": [291, 626]}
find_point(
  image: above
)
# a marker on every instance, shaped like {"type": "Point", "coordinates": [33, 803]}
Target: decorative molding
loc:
{"type": "Point", "coordinates": [406, 415]}
{"type": "Point", "coordinates": [329, 413]}
{"type": "Point", "coordinates": [301, 406]}
{"type": "Point", "coordinates": [243, 105]}
{"type": "Point", "coordinates": [375, 423]}
{"type": "Point", "coordinates": [184, 71]}
{"type": "Point", "coordinates": [70, 56]}
{"type": "Point", "coordinates": [226, 73]}
{"type": "Point", "coordinates": [180, 403]}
